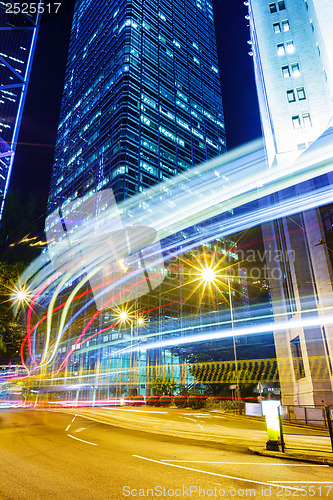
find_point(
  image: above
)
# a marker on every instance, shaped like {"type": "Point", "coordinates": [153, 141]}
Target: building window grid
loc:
{"type": "Point", "coordinates": [300, 93]}
{"type": "Point", "coordinates": [305, 123]}
{"type": "Point", "coordinates": [274, 7]}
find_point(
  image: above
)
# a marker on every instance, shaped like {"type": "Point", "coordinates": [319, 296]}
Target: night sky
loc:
{"type": "Point", "coordinates": [34, 156]}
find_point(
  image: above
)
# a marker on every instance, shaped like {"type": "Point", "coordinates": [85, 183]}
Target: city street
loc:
{"type": "Point", "coordinates": [53, 454]}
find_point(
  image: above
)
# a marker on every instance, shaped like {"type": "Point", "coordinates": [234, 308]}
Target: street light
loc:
{"type": "Point", "coordinates": [210, 276]}
{"type": "Point", "coordinates": [20, 296]}
{"type": "Point", "coordinates": [125, 317]}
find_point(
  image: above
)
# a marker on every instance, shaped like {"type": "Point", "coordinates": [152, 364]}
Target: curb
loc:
{"type": "Point", "coordinates": [291, 456]}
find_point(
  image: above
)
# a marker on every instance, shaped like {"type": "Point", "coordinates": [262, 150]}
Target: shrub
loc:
{"type": "Point", "coordinates": [214, 404]}
{"type": "Point", "coordinates": [196, 402]}
{"type": "Point", "coordinates": [153, 401]}
{"type": "Point", "coordinates": [137, 400]}
{"type": "Point", "coordinates": [165, 400]}
{"type": "Point", "coordinates": [230, 405]}
{"type": "Point", "coordinates": [180, 401]}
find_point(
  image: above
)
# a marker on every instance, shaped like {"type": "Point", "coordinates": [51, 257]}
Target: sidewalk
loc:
{"type": "Point", "coordinates": [316, 457]}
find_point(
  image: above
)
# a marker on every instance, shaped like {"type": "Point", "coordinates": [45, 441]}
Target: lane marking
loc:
{"type": "Point", "coordinates": [74, 418]}
{"type": "Point", "coordinates": [68, 426]}
{"type": "Point", "coordinates": [82, 440]}
{"type": "Point", "coordinates": [245, 463]}
{"type": "Point", "coordinates": [80, 429]}
{"type": "Point", "coordinates": [192, 420]}
{"type": "Point", "coordinates": [269, 483]}
{"type": "Point", "coordinates": [304, 482]}
{"type": "Point", "coordinates": [138, 411]}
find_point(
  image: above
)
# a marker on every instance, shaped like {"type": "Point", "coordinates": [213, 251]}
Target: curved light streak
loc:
{"type": "Point", "coordinates": [218, 186]}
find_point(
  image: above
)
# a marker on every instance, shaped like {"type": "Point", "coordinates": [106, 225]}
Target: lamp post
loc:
{"type": "Point", "coordinates": [132, 318]}
{"type": "Point", "coordinates": [209, 275]}
{"type": "Point", "coordinates": [234, 342]}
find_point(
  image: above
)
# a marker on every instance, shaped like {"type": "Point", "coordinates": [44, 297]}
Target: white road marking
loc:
{"type": "Point", "coordinates": [270, 483]}
{"type": "Point", "coordinates": [138, 411]}
{"type": "Point", "coordinates": [68, 426]}
{"type": "Point", "coordinates": [244, 463]}
{"type": "Point", "coordinates": [74, 418]}
{"type": "Point", "coordinates": [187, 418]}
{"type": "Point", "coordinates": [80, 429]}
{"type": "Point", "coordinates": [304, 482]}
{"type": "Point", "coordinates": [82, 440]}
{"type": "Point", "coordinates": [197, 414]}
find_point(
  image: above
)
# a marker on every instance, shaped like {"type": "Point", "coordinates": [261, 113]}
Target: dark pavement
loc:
{"type": "Point", "coordinates": [47, 454]}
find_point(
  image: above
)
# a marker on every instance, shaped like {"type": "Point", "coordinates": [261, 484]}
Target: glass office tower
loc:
{"type": "Point", "coordinates": [18, 34]}
{"type": "Point", "coordinates": [142, 97]}
{"type": "Point", "coordinates": [141, 103]}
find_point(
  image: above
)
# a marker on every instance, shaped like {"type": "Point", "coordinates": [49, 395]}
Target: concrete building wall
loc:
{"type": "Point", "coordinates": [292, 46]}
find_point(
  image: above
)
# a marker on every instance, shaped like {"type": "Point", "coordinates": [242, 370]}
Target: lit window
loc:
{"type": "Point", "coordinates": [295, 69]}
{"type": "Point", "coordinates": [280, 49]}
{"type": "Point", "coordinates": [272, 8]}
{"type": "Point", "coordinates": [307, 120]}
{"type": "Point", "coordinates": [296, 122]}
{"type": "Point", "coordinates": [290, 47]}
{"type": "Point", "coordinates": [281, 5]}
{"type": "Point", "coordinates": [285, 25]}
{"type": "Point", "coordinates": [276, 27]}
{"type": "Point", "coordinates": [291, 96]}
{"type": "Point", "coordinates": [285, 71]}
{"type": "Point", "coordinates": [301, 93]}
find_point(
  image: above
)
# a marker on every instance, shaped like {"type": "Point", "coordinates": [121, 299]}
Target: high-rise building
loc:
{"type": "Point", "coordinates": [142, 97]}
{"type": "Point", "coordinates": [292, 47]}
{"type": "Point", "coordinates": [18, 34]}
{"type": "Point", "coordinates": [141, 103]}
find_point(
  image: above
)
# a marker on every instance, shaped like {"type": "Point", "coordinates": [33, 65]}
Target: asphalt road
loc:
{"type": "Point", "coordinates": [58, 455]}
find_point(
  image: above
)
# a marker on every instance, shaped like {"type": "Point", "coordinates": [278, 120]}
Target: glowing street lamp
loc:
{"type": "Point", "coordinates": [20, 296]}
{"type": "Point", "coordinates": [123, 316]}
{"type": "Point", "coordinates": [141, 321]}
{"type": "Point", "coordinates": [208, 275]}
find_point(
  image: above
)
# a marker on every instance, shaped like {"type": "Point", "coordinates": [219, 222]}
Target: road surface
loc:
{"type": "Point", "coordinates": [48, 454]}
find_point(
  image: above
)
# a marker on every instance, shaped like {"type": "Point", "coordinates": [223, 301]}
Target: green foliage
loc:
{"type": "Point", "coordinates": [180, 401]}
{"type": "Point", "coordinates": [196, 402]}
{"type": "Point", "coordinates": [214, 404]}
{"type": "Point", "coordinates": [137, 400]}
{"type": "Point", "coordinates": [163, 385]}
{"type": "Point", "coordinates": [165, 400]}
{"type": "Point", "coordinates": [153, 401]}
{"type": "Point", "coordinates": [11, 332]}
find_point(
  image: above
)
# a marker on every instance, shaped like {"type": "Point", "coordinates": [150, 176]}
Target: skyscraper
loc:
{"type": "Point", "coordinates": [292, 44]}
{"type": "Point", "coordinates": [142, 98]}
{"type": "Point", "coordinates": [141, 103]}
{"type": "Point", "coordinates": [18, 34]}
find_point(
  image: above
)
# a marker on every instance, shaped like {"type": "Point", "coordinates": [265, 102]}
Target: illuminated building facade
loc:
{"type": "Point", "coordinates": [141, 103]}
{"type": "Point", "coordinates": [142, 97]}
{"type": "Point", "coordinates": [18, 34]}
{"type": "Point", "coordinates": [292, 44]}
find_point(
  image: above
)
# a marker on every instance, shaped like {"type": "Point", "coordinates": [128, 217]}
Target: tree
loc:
{"type": "Point", "coordinates": [163, 386]}
{"type": "Point", "coordinates": [11, 332]}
